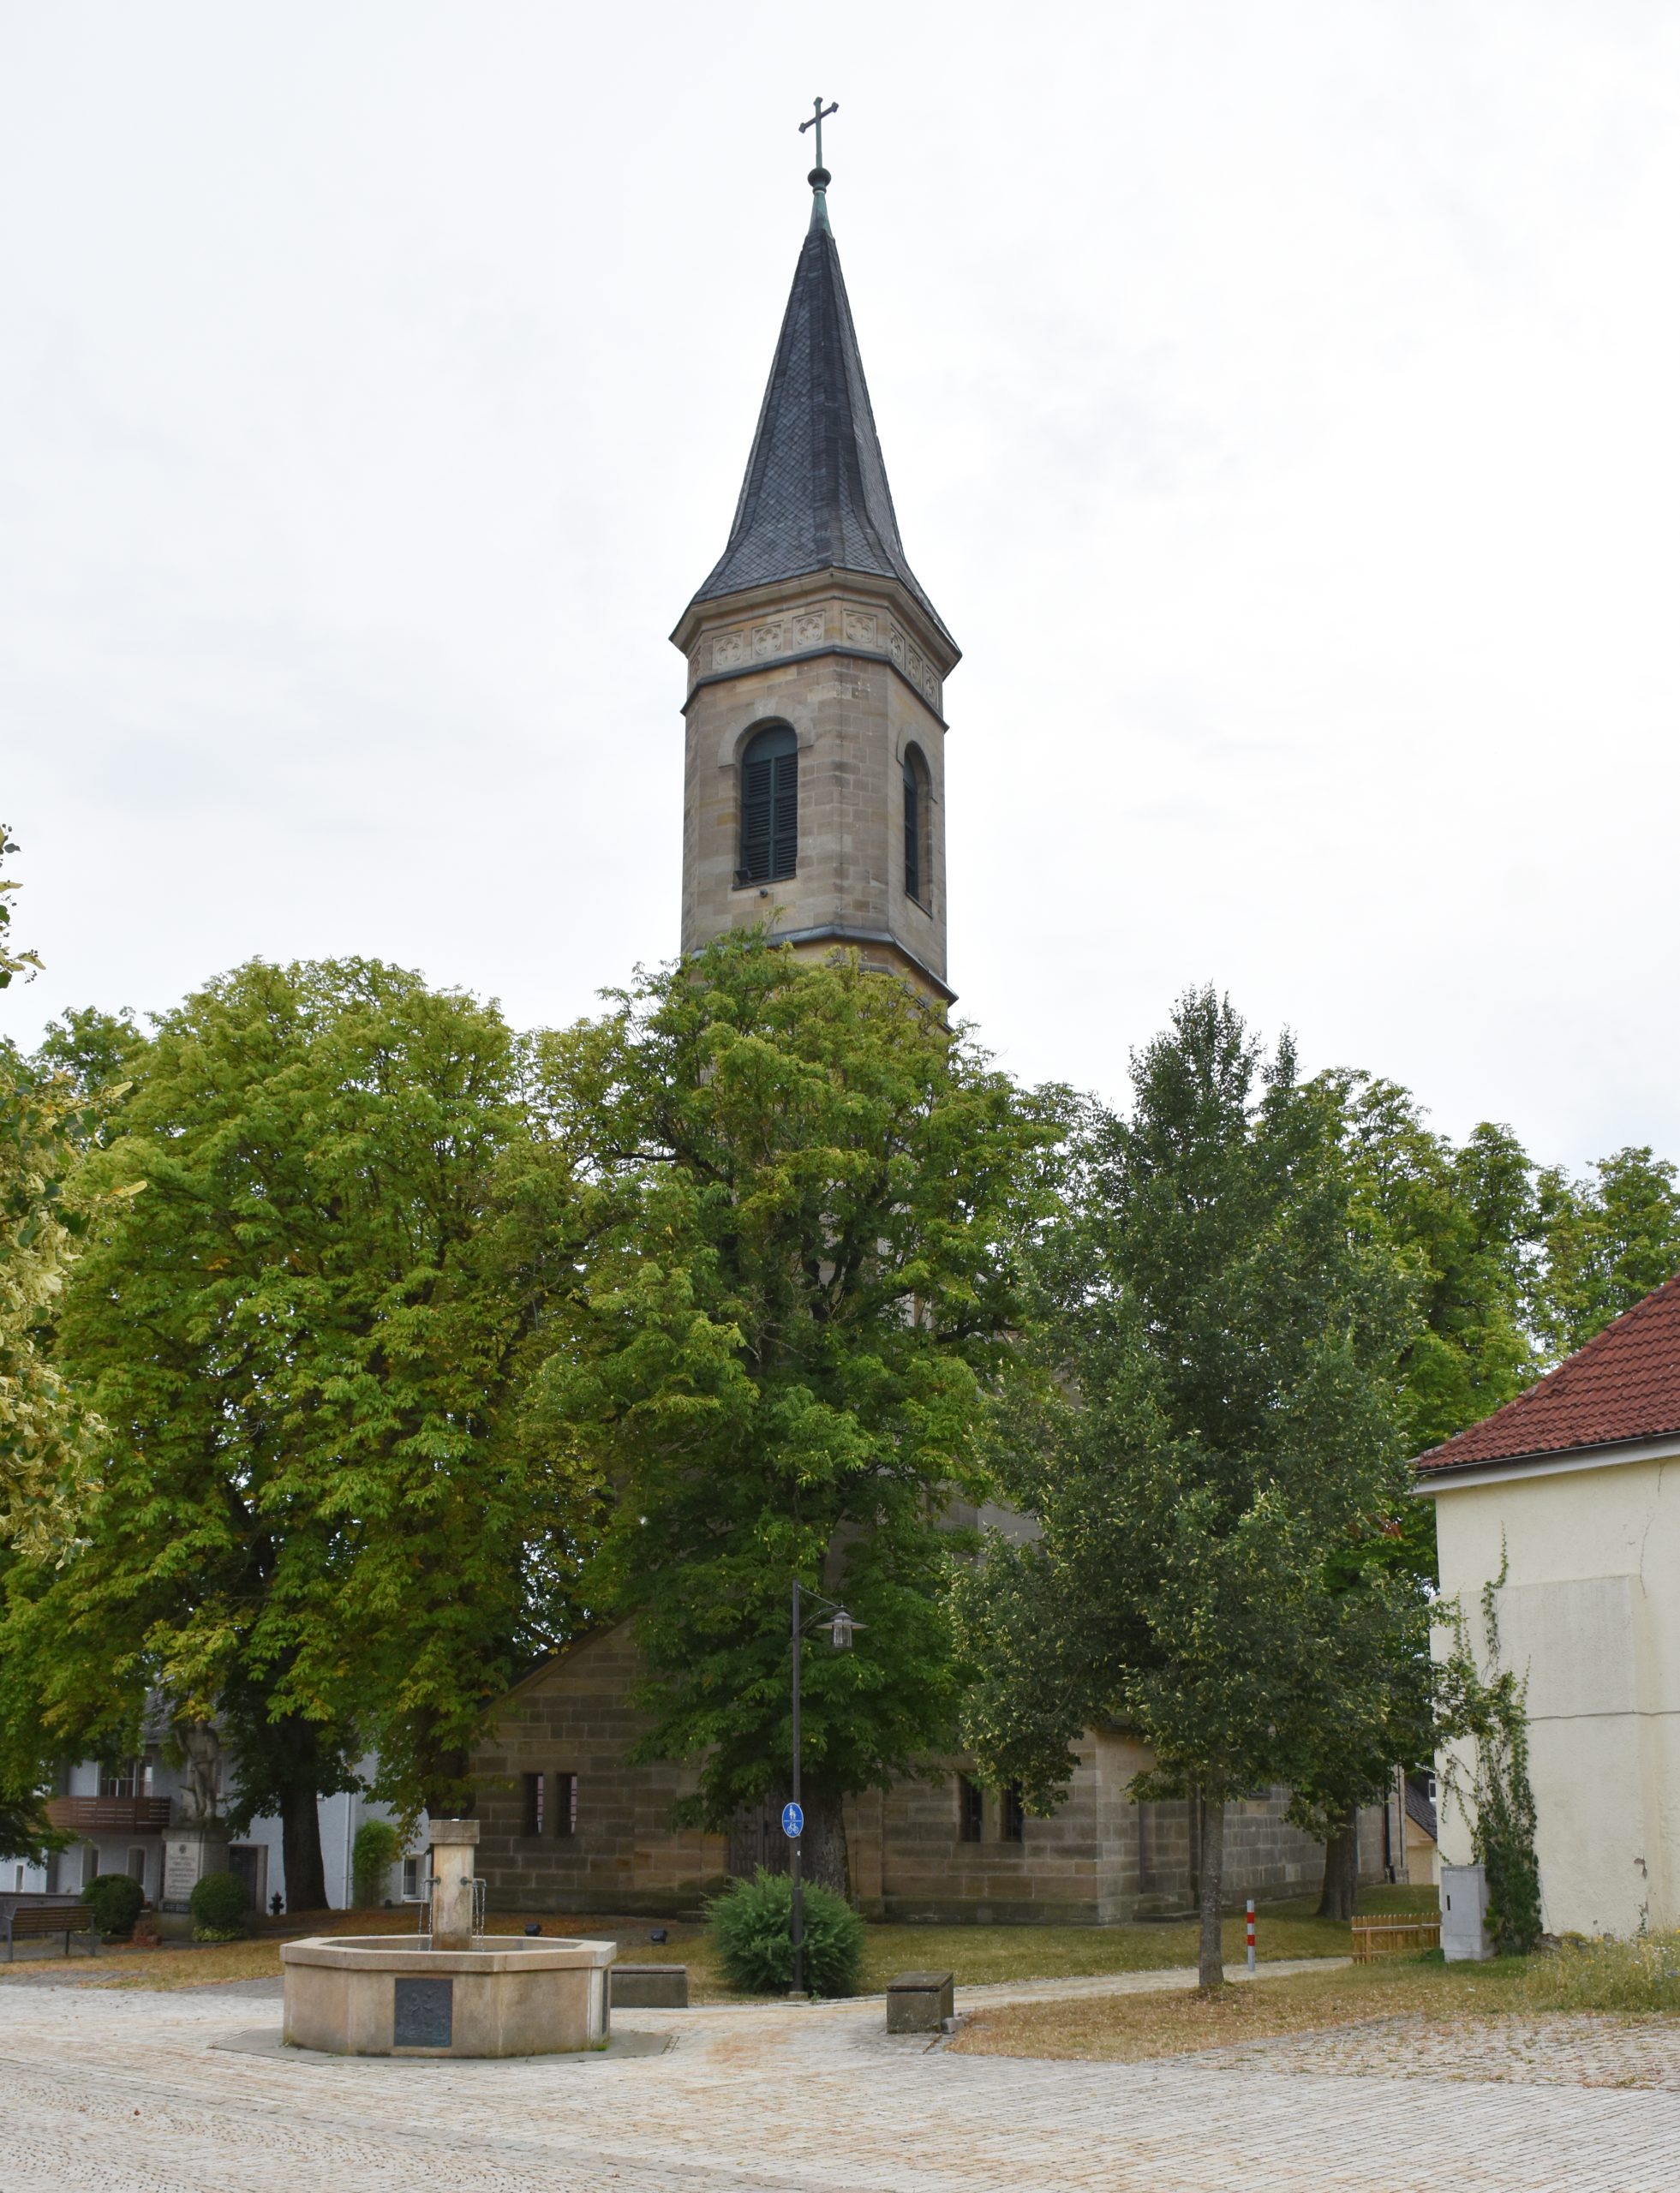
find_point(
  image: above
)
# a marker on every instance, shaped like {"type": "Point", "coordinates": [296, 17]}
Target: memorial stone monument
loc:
{"type": "Point", "coordinates": [198, 1842]}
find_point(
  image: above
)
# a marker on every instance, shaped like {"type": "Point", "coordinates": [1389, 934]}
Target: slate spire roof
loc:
{"type": "Point", "coordinates": [1624, 1385]}
{"type": "Point", "coordinates": [816, 497]}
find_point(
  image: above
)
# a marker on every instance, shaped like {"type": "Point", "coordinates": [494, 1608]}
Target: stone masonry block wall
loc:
{"type": "Point", "coordinates": [854, 712]}
{"type": "Point", "coordinates": [573, 1717]}
{"type": "Point", "coordinates": [1101, 1858]}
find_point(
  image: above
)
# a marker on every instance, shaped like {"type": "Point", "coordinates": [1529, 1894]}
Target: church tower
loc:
{"type": "Point", "coordinates": [815, 797]}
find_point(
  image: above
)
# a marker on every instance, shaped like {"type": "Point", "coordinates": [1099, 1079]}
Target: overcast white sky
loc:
{"type": "Point", "coordinates": [1280, 402]}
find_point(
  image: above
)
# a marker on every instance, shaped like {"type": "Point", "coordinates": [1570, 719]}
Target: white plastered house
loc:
{"type": "Point", "coordinates": [1574, 1487]}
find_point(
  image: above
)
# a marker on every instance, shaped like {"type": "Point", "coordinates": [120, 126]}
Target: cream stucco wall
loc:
{"type": "Point", "coordinates": [1590, 1611]}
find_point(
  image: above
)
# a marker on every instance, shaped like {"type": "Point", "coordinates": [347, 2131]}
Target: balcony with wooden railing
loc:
{"type": "Point", "coordinates": [109, 1815]}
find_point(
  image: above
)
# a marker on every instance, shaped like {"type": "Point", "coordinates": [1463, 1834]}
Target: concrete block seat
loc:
{"type": "Point", "coordinates": [918, 2002]}
{"type": "Point", "coordinates": [649, 1988]}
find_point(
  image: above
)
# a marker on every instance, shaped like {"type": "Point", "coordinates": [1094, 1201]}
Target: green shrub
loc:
{"type": "Point", "coordinates": [377, 1848]}
{"type": "Point", "coordinates": [1642, 1975]}
{"type": "Point", "coordinates": [218, 1906]}
{"type": "Point", "coordinates": [749, 1925]}
{"type": "Point", "coordinates": [115, 1901]}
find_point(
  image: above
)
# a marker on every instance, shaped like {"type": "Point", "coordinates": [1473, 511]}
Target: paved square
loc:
{"type": "Point", "coordinates": [117, 2091]}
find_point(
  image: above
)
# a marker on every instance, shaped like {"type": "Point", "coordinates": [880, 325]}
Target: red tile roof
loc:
{"type": "Point", "coordinates": [1623, 1384]}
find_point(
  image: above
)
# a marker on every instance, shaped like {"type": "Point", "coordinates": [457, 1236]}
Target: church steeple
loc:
{"type": "Point", "coordinates": [814, 797]}
{"type": "Point", "coordinates": [815, 497]}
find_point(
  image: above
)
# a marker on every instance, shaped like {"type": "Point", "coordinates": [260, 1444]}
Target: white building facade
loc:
{"type": "Point", "coordinates": [121, 1816]}
{"type": "Point", "coordinates": [1572, 1492]}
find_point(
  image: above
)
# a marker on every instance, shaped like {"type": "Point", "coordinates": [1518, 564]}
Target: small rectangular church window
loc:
{"type": "Point", "coordinates": [565, 1804]}
{"type": "Point", "coordinates": [970, 1809]}
{"type": "Point", "coordinates": [1013, 1824]}
{"type": "Point", "coordinates": [534, 1806]}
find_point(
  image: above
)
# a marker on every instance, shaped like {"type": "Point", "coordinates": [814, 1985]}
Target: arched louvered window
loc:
{"type": "Point", "coordinates": [769, 807]}
{"type": "Point", "coordinates": [917, 881]}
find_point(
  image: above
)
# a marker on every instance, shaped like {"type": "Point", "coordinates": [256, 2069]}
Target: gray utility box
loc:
{"type": "Point", "coordinates": [1464, 1914]}
{"type": "Point", "coordinates": [650, 1987]}
{"type": "Point", "coordinates": [918, 2002]}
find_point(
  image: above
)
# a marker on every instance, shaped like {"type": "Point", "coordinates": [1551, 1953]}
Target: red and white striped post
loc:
{"type": "Point", "coordinates": [1251, 1937]}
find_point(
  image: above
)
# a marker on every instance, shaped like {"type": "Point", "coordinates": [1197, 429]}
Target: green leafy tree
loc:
{"type": "Point", "coordinates": [773, 1214]}
{"type": "Point", "coordinates": [1376, 1691]}
{"type": "Point", "coordinates": [45, 1425]}
{"type": "Point", "coordinates": [25, 1832]}
{"type": "Point", "coordinates": [1609, 1239]}
{"type": "Point", "coordinates": [1222, 1432]}
{"type": "Point", "coordinates": [97, 1055]}
{"type": "Point", "coordinates": [47, 1429]}
{"type": "Point", "coordinates": [306, 1523]}
{"type": "Point", "coordinates": [1465, 1219]}
{"type": "Point", "coordinates": [12, 962]}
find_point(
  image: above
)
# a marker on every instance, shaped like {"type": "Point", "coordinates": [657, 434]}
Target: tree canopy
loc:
{"type": "Point", "coordinates": [1221, 1437]}
{"type": "Point", "coordinates": [307, 1518]}
{"type": "Point", "coordinates": [354, 1351]}
{"type": "Point", "coordinates": [792, 1199]}
{"type": "Point", "coordinates": [1610, 1236]}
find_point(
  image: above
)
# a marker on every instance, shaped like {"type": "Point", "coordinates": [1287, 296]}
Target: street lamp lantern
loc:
{"type": "Point", "coordinates": [840, 1630]}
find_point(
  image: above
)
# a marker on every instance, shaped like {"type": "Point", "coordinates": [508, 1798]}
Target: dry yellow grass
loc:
{"type": "Point", "coordinates": [206, 1964]}
{"type": "Point", "coordinates": [1132, 2028]}
{"type": "Point", "coordinates": [192, 1965]}
{"type": "Point", "coordinates": [978, 1956]}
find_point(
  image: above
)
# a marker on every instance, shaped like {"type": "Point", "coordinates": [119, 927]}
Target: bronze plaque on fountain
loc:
{"type": "Point", "coordinates": [425, 2014]}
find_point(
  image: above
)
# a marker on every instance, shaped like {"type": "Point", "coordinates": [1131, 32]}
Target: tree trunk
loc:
{"type": "Point", "coordinates": [1342, 1866]}
{"type": "Point", "coordinates": [1210, 1958]}
{"type": "Point", "coordinates": [823, 1844]}
{"type": "Point", "coordinates": [756, 1839]}
{"type": "Point", "coordinates": [300, 1850]}
{"type": "Point", "coordinates": [447, 1789]}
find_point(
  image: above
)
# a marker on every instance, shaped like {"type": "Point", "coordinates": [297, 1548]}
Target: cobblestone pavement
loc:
{"type": "Point", "coordinates": [1551, 2052]}
{"type": "Point", "coordinates": [134, 2092]}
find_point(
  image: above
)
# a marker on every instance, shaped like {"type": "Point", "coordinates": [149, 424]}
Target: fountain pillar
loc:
{"type": "Point", "coordinates": [454, 1859]}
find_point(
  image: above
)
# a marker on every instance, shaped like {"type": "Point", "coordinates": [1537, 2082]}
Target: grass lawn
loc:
{"type": "Point", "coordinates": [1636, 1980]}
{"type": "Point", "coordinates": [976, 1954]}
{"type": "Point", "coordinates": [1129, 2028]}
{"type": "Point", "coordinates": [979, 1955]}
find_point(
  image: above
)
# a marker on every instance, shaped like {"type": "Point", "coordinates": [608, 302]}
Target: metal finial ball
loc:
{"type": "Point", "coordinates": [819, 178]}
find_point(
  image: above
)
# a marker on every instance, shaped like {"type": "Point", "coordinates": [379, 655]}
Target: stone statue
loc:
{"type": "Point", "coordinates": [201, 1749]}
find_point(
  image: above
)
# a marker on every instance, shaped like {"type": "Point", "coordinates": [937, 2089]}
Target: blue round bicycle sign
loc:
{"type": "Point", "coordinates": [793, 1820]}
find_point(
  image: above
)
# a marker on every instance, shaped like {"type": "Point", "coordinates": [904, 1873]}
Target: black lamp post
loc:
{"type": "Point", "coordinates": [840, 1627]}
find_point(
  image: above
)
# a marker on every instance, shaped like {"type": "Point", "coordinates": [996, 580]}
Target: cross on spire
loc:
{"type": "Point", "coordinates": [819, 115]}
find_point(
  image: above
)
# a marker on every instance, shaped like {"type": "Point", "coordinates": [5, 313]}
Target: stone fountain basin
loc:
{"type": "Point", "coordinates": [395, 1995]}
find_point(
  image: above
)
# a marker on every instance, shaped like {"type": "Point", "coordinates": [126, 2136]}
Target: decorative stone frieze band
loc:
{"type": "Point", "coordinates": [805, 632]}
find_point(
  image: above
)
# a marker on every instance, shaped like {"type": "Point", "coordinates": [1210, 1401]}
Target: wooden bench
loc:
{"type": "Point", "coordinates": [1399, 1934]}
{"type": "Point", "coordinates": [30, 1922]}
